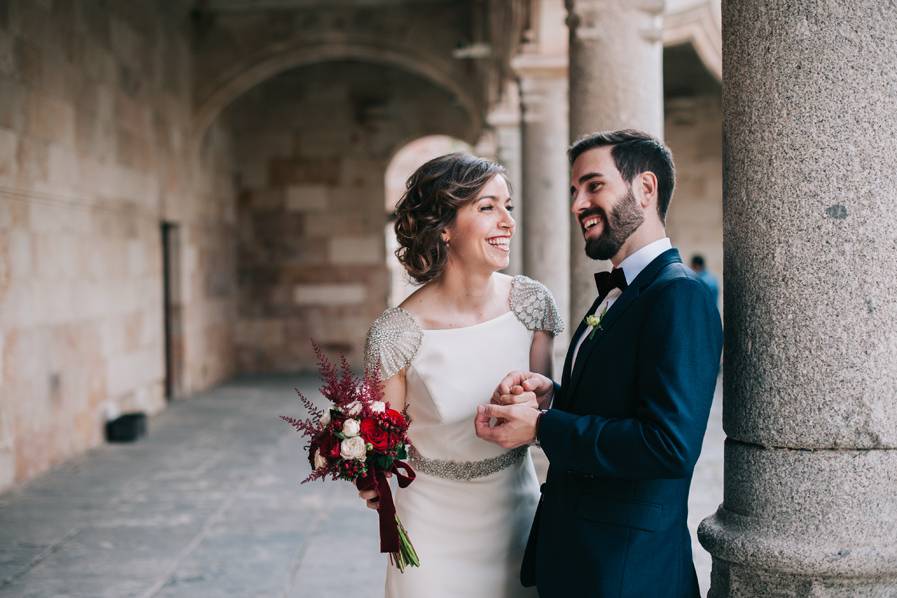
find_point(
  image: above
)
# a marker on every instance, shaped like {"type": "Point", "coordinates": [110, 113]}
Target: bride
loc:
{"type": "Point", "coordinates": [441, 353]}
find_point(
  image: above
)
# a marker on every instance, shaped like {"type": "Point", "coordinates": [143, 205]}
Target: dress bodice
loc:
{"type": "Point", "coordinates": [453, 372]}
{"type": "Point", "coordinates": [448, 372]}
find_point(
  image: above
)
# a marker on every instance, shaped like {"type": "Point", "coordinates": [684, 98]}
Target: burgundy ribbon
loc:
{"type": "Point", "coordinates": [389, 531]}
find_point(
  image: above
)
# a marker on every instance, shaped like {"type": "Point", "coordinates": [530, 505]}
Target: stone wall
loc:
{"type": "Point", "coordinates": [312, 148]}
{"type": "Point", "coordinates": [95, 153]}
{"type": "Point", "coordinates": [693, 131]}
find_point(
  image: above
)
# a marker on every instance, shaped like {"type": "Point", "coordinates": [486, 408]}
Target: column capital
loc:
{"type": "Point", "coordinates": [587, 18]}
{"type": "Point", "coordinates": [533, 64]}
{"type": "Point", "coordinates": [537, 93]}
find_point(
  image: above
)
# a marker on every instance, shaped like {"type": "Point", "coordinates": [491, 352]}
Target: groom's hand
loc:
{"type": "Point", "coordinates": [524, 387]}
{"type": "Point", "coordinates": [515, 424]}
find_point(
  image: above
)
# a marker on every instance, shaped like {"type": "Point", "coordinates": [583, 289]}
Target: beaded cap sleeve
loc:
{"type": "Point", "coordinates": [534, 305]}
{"type": "Point", "coordinates": [392, 342]}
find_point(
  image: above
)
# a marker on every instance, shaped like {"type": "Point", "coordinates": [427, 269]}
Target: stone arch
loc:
{"type": "Point", "coordinates": [283, 57]}
{"type": "Point", "coordinates": [700, 26]}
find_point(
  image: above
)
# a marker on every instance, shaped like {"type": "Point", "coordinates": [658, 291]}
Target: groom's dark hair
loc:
{"type": "Point", "coordinates": [634, 152]}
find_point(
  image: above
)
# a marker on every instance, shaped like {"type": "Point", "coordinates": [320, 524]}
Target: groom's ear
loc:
{"type": "Point", "coordinates": [647, 185]}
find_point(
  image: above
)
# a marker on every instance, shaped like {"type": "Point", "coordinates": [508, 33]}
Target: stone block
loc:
{"type": "Point", "coordinates": [7, 54]}
{"type": "Point", "coordinates": [12, 103]}
{"type": "Point", "coordinates": [8, 147]}
{"type": "Point", "coordinates": [329, 294]}
{"type": "Point", "coordinates": [32, 159]}
{"type": "Point", "coordinates": [286, 172]}
{"type": "Point", "coordinates": [17, 252]}
{"type": "Point", "coordinates": [306, 198]}
{"type": "Point", "coordinates": [63, 167]}
{"type": "Point", "coordinates": [29, 62]}
{"type": "Point", "coordinates": [356, 250]}
{"type": "Point", "coordinates": [132, 152]}
{"type": "Point", "coordinates": [321, 224]}
{"type": "Point", "coordinates": [50, 119]}
{"type": "Point", "coordinates": [264, 199]}
{"type": "Point", "coordinates": [125, 42]}
{"type": "Point", "coordinates": [136, 251]}
{"type": "Point", "coordinates": [126, 372]}
{"type": "Point", "coordinates": [254, 174]}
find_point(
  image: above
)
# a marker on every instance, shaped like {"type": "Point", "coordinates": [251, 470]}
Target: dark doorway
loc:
{"type": "Point", "coordinates": [172, 309]}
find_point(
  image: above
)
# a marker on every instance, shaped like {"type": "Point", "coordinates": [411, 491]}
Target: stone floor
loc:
{"type": "Point", "coordinates": [209, 505]}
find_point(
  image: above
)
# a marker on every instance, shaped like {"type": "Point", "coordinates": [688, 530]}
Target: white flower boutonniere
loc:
{"type": "Point", "coordinates": [594, 322]}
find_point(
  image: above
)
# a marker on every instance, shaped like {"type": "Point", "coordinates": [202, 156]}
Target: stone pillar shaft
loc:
{"type": "Point", "coordinates": [810, 153]}
{"type": "Point", "coordinates": [616, 81]}
{"type": "Point", "coordinates": [545, 176]}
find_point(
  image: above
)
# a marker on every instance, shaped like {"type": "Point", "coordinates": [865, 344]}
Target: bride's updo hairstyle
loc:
{"type": "Point", "coordinates": [433, 195]}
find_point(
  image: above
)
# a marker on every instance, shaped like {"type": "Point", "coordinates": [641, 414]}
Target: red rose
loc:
{"type": "Point", "coordinates": [373, 433]}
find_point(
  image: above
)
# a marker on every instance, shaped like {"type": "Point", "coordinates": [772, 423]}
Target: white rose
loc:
{"type": "Point", "coordinates": [353, 408]}
{"type": "Point", "coordinates": [325, 419]}
{"type": "Point", "coordinates": [351, 427]}
{"type": "Point", "coordinates": [378, 407]}
{"type": "Point", "coordinates": [353, 448]}
{"type": "Point", "coordinates": [320, 461]}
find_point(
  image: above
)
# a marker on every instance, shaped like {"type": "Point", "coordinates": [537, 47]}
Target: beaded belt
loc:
{"type": "Point", "coordinates": [465, 470]}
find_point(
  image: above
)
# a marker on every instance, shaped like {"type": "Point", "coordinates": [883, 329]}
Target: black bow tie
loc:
{"type": "Point", "coordinates": [608, 281]}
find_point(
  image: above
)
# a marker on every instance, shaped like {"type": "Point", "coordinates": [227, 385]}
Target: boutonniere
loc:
{"type": "Point", "coordinates": [594, 322]}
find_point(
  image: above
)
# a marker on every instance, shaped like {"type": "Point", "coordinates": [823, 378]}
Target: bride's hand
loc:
{"type": "Point", "coordinates": [524, 383]}
{"type": "Point", "coordinates": [517, 396]}
{"type": "Point", "coordinates": [371, 497]}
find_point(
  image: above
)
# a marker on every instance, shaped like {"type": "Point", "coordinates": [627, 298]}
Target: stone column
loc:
{"type": "Point", "coordinates": [616, 81]}
{"type": "Point", "coordinates": [810, 506]}
{"type": "Point", "coordinates": [545, 185]}
{"type": "Point", "coordinates": [505, 123]}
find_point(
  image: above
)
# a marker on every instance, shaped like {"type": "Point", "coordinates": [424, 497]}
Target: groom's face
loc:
{"type": "Point", "coordinates": [603, 203]}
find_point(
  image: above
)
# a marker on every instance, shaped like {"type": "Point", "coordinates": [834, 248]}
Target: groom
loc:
{"type": "Point", "coordinates": [623, 429]}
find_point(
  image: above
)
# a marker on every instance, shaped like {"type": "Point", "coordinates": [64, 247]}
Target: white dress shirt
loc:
{"type": "Point", "coordinates": [632, 267]}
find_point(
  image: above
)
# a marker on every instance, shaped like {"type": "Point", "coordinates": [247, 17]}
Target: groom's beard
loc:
{"type": "Point", "coordinates": [618, 225]}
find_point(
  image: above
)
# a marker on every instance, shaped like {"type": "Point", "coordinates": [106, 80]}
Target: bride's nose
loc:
{"type": "Point", "coordinates": [507, 222]}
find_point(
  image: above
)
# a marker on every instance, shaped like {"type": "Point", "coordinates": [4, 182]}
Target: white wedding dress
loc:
{"type": "Point", "coordinates": [470, 509]}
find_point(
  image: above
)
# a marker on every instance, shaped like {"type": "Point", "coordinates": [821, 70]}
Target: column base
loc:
{"type": "Point", "coordinates": [804, 523]}
{"type": "Point", "coordinates": [731, 580]}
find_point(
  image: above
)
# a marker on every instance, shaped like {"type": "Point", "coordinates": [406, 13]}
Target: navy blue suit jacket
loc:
{"type": "Point", "coordinates": [622, 439]}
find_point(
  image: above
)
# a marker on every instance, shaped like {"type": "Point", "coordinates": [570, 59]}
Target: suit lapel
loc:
{"type": "Point", "coordinates": [623, 303]}
{"type": "Point", "coordinates": [565, 376]}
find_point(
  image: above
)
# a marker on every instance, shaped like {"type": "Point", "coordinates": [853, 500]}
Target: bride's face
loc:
{"type": "Point", "coordinates": [481, 234]}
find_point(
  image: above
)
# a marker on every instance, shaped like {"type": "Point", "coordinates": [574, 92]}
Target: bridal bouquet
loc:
{"type": "Point", "coordinates": [358, 438]}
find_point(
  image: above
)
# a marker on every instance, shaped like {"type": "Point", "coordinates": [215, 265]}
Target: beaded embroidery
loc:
{"type": "Point", "coordinates": [392, 342]}
{"type": "Point", "coordinates": [534, 305]}
{"type": "Point", "coordinates": [465, 470]}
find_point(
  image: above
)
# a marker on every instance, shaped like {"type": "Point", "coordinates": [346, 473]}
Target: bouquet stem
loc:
{"type": "Point", "coordinates": [406, 555]}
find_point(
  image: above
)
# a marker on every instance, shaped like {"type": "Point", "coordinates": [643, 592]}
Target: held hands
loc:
{"type": "Point", "coordinates": [526, 388]}
{"type": "Point", "coordinates": [515, 408]}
